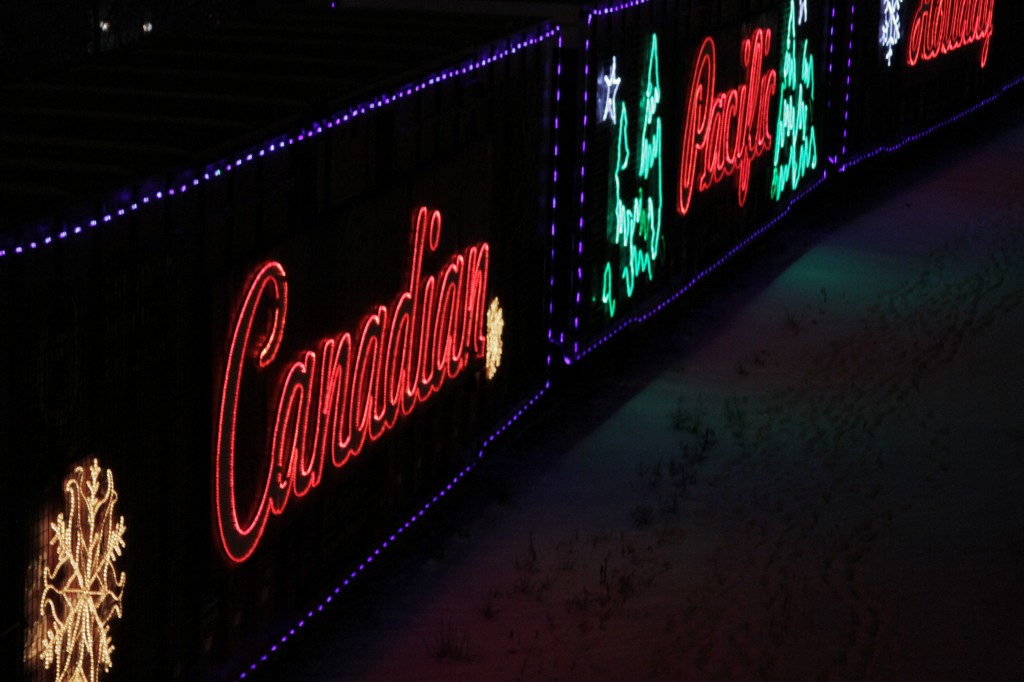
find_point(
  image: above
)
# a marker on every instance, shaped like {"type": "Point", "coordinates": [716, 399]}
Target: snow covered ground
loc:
{"type": "Point", "coordinates": [813, 473]}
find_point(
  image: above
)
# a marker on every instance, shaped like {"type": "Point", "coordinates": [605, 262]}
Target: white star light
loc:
{"type": "Point", "coordinates": [611, 84]}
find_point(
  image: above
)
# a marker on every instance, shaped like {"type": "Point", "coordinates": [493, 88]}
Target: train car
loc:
{"type": "Point", "coordinates": [243, 374]}
{"type": "Point", "coordinates": [697, 124]}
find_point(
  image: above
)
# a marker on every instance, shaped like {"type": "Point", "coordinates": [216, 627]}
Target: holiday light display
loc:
{"type": "Point", "coordinates": [354, 386]}
{"type": "Point", "coordinates": [495, 329]}
{"type": "Point", "coordinates": [889, 33]}
{"type": "Point", "coordinates": [941, 26]}
{"type": "Point", "coordinates": [796, 145]}
{"type": "Point", "coordinates": [725, 131]}
{"type": "Point", "coordinates": [604, 272]}
{"type": "Point", "coordinates": [635, 224]}
{"type": "Point", "coordinates": [83, 590]}
{"type": "Point", "coordinates": [611, 82]}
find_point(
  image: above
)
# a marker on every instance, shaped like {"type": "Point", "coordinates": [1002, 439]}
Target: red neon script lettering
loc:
{"type": "Point", "coordinates": [941, 26]}
{"type": "Point", "coordinates": [729, 129]}
{"type": "Point", "coordinates": [353, 387]}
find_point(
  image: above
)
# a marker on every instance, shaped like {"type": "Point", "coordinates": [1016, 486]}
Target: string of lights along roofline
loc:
{"type": "Point", "coordinates": [279, 143]}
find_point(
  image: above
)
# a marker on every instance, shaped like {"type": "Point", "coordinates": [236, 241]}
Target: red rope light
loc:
{"type": "Point", "coordinates": [727, 130]}
{"type": "Point", "coordinates": [336, 398]}
{"type": "Point", "coordinates": [941, 26]}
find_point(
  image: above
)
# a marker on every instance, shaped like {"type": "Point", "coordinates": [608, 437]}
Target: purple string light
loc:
{"type": "Point", "coordinates": [554, 203]}
{"type": "Point", "coordinates": [392, 538]}
{"type": "Point", "coordinates": [831, 38]}
{"type": "Point", "coordinates": [884, 149]}
{"type": "Point", "coordinates": [831, 57]}
{"type": "Point", "coordinates": [612, 9]}
{"type": "Point", "coordinates": [846, 89]}
{"type": "Point", "coordinates": [314, 129]}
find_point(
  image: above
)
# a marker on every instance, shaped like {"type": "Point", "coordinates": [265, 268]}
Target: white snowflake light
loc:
{"type": "Point", "coordinates": [889, 33]}
{"type": "Point", "coordinates": [495, 328]}
{"type": "Point", "coordinates": [83, 590]}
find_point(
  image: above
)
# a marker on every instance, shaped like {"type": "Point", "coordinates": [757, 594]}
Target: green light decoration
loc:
{"type": "Point", "coordinates": [797, 149]}
{"type": "Point", "coordinates": [635, 222]}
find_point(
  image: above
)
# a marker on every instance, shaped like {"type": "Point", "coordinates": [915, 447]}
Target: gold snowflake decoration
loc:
{"type": "Point", "coordinates": [83, 590]}
{"type": "Point", "coordinates": [495, 328]}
